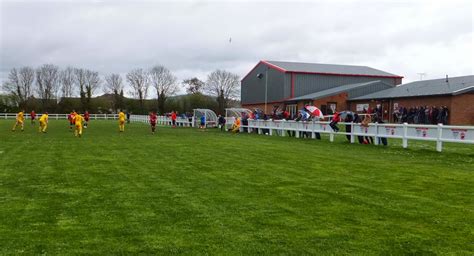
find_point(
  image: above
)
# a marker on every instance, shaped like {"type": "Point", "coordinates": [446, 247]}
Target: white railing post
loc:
{"type": "Point", "coordinates": [376, 142]}
{"type": "Point", "coordinates": [352, 132]}
{"type": "Point", "coordinates": [331, 135]}
{"type": "Point", "coordinates": [405, 133]}
{"type": "Point", "coordinates": [439, 142]}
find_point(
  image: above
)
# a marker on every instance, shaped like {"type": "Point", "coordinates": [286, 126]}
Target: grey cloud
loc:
{"type": "Point", "coordinates": [192, 38]}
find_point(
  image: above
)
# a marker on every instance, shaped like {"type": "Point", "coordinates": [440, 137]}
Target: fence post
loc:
{"type": "Point", "coordinates": [331, 136]}
{"type": "Point", "coordinates": [439, 143]}
{"type": "Point", "coordinates": [376, 142]}
{"type": "Point", "coordinates": [405, 132]}
{"type": "Point", "coordinates": [352, 132]}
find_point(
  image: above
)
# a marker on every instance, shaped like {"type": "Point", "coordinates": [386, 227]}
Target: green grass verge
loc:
{"type": "Point", "coordinates": [185, 191]}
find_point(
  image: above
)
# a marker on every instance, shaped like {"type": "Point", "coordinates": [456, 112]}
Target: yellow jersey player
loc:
{"type": "Point", "coordinates": [78, 119]}
{"type": "Point", "coordinates": [43, 122]}
{"type": "Point", "coordinates": [121, 118]}
{"type": "Point", "coordinates": [20, 119]}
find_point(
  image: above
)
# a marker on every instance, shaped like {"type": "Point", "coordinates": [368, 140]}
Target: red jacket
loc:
{"type": "Point", "coordinates": [152, 118]}
{"type": "Point", "coordinates": [336, 117]}
{"type": "Point", "coordinates": [173, 116]}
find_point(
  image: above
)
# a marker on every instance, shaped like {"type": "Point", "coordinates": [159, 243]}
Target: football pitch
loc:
{"type": "Point", "coordinates": [187, 191]}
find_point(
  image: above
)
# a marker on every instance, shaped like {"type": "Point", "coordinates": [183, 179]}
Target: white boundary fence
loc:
{"type": "Point", "coordinates": [438, 133]}
{"type": "Point", "coordinates": [162, 120]}
{"type": "Point", "coordinates": [61, 116]}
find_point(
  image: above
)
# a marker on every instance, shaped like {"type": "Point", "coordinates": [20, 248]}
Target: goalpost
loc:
{"type": "Point", "coordinates": [211, 117]}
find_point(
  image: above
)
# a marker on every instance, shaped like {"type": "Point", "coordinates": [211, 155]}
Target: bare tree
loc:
{"type": "Point", "coordinates": [92, 83]}
{"type": "Point", "coordinates": [165, 85]}
{"type": "Point", "coordinates": [67, 82]}
{"type": "Point", "coordinates": [80, 82]}
{"type": "Point", "coordinates": [224, 85]}
{"type": "Point", "coordinates": [114, 85]}
{"type": "Point", "coordinates": [20, 84]}
{"type": "Point", "coordinates": [193, 85]}
{"type": "Point", "coordinates": [47, 79]}
{"type": "Point", "coordinates": [139, 81]}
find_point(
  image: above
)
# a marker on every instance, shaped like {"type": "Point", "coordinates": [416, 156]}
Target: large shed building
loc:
{"type": "Point", "coordinates": [294, 84]}
{"type": "Point", "coordinates": [291, 85]}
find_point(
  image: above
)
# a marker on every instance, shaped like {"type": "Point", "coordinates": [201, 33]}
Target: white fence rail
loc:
{"type": "Point", "coordinates": [61, 116]}
{"type": "Point", "coordinates": [162, 120]}
{"type": "Point", "coordinates": [438, 133]}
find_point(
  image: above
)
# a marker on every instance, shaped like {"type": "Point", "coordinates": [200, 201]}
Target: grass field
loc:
{"type": "Point", "coordinates": [184, 191]}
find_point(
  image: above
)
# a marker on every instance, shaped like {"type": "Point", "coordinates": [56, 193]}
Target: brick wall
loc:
{"type": "Point", "coordinates": [339, 99]}
{"type": "Point", "coordinates": [461, 107]}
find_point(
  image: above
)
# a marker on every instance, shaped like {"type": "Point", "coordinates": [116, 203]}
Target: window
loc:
{"type": "Point", "coordinates": [332, 107]}
{"type": "Point", "coordinates": [291, 109]}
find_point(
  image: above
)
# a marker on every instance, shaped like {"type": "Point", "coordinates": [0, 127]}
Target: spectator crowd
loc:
{"type": "Point", "coordinates": [421, 115]}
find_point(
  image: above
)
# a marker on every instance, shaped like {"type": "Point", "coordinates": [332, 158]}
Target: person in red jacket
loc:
{"type": "Point", "coordinates": [153, 118]}
{"type": "Point", "coordinates": [335, 119]}
{"type": "Point", "coordinates": [33, 117]}
{"type": "Point", "coordinates": [86, 119]}
{"type": "Point", "coordinates": [173, 118]}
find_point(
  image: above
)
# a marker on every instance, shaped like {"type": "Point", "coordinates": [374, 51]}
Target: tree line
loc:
{"type": "Point", "coordinates": [50, 88]}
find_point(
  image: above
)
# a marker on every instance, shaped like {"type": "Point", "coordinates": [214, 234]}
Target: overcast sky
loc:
{"type": "Point", "coordinates": [191, 38]}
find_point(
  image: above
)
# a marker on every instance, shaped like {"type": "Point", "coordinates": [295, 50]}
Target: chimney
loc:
{"type": "Point", "coordinates": [447, 81]}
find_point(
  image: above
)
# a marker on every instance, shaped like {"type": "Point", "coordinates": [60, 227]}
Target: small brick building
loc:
{"type": "Point", "coordinates": [456, 93]}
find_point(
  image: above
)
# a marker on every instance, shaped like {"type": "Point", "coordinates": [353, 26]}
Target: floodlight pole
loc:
{"type": "Point", "coordinates": [266, 89]}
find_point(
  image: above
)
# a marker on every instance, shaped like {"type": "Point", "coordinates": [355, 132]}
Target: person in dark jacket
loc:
{"type": "Point", "coordinates": [221, 122]}
{"type": "Point", "coordinates": [357, 121]}
{"type": "Point", "coordinates": [245, 122]}
{"type": "Point", "coordinates": [382, 140]}
{"type": "Point", "coordinates": [348, 119]}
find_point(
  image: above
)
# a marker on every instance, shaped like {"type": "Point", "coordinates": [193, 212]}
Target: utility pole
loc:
{"type": "Point", "coordinates": [266, 90]}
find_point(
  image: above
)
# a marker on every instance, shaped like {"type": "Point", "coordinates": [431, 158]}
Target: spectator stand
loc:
{"type": "Point", "coordinates": [211, 117]}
